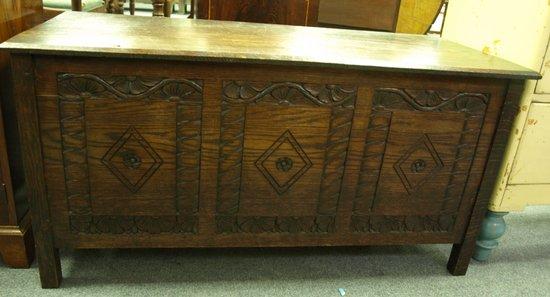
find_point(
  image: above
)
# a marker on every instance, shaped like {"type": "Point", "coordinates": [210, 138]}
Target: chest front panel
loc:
{"type": "Point", "coordinates": [130, 148]}
{"type": "Point", "coordinates": [210, 155]}
{"type": "Point", "coordinates": [282, 155]}
{"type": "Point", "coordinates": [419, 150]}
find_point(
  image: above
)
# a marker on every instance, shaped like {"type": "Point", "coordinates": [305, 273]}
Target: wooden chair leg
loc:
{"type": "Point", "coordinates": [132, 7]}
{"type": "Point", "coordinates": [158, 8]}
{"type": "Point", "coordinates": [168, 6]}
{"type": "Point", "coordinates": [76, 5]}
{"type": "Point", "coordinates": [120, 6]}
{"type": "Point", "coordinates": [192, 11]}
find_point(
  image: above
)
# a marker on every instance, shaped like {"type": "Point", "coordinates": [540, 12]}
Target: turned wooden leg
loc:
{"type": "Point", "coordinates": [17, 246]}
{"type": "Point", "coordinates": [168, 6]}
{"type": "Point", "coordinates": [158, 8]}
{"type": "Point", "coordinates": [492, 228]}
{"type": "Point", "coordinates": [76, 5]}
{"type": "Point", "coordinates": [119, 8]}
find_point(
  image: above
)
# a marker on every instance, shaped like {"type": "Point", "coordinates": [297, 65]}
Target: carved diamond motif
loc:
{"type": "Point", "coordinates": [283, 163]}
{"type": "Point", "coordinates": [418, 164]}
{"type": "Point", "coordinates": [132, 159]}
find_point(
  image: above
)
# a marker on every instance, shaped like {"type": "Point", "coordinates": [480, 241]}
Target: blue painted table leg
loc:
{"type": "Point", "coordinates": [492, 228]}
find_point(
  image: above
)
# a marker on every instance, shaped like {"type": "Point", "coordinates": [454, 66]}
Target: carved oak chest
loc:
{"type": "Point", "coordinates": [219, 134]}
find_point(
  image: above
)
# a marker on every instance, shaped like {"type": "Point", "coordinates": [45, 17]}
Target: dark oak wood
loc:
{"type": "Point", "coordinates": [248, 43]}
{"type": "Point", "coordinates": [16, 243]}
{"type": "Point", "coordinates": [463, 252]}
{"type": "Point", "coordinates": [157, 150]}
{"type": "Point", "coordinates": [285, 12]}
{"type": "Point", "coordinates": [46, 252]}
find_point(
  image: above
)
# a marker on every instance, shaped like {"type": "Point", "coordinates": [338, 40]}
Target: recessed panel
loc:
{"type": "Point", "coordinates": [419, 149]}
{"type": "Point", "coordinates": [283, 160]}
{"type": "Point", "coordinates": [131, 153]}
{"type": "Point", "coordinates": [282, 156]}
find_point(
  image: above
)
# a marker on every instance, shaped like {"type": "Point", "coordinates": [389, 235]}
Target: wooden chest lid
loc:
{"type": "Point", "coordinates": [107, 35]}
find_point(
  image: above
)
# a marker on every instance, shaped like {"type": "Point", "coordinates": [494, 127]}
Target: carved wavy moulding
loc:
{"type": "Point", "coordinates": [133, 224]}
{"type": "Point", "coordinates": [430, 100]}
{"type": "Point", "coordinates": [287, 93]}
{"type": "Point", "coordinates": [78, 86]}
{"type": "Point", "coordinates": [403, 224]}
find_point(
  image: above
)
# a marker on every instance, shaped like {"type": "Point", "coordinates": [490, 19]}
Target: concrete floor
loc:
{"type": "Point", "coordinates": [520, 267]}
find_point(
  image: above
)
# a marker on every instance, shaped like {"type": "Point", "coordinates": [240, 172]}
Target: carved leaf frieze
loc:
{"type": "Point", "coordinates": [286, 93]}
{"type": "Point", "coordinates": [272, 224]}
{"type": "Point", "coordinates": [104, 224]}
{"type": "Point", "coordinates": [403, 224]}
{"type": "Point", "coordinates": [430, 100]}
{"type": "Point", "coordinates": [128, 87]}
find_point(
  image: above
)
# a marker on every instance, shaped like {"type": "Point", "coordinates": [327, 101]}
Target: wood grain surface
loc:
{"type": "Point", "coordinates": [353, 179]}
{"type": "Point", "coordinates": [201, 40]}
{"type": "Point", "coordinates": [208, 152]}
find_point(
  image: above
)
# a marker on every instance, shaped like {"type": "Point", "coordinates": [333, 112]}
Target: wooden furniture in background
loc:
{"type": "Point", "coordinates": [524, 178]}
{"type": "Point", "coordinates": [53, 8]}
{"type": "Point", "coordinates": [365, 14]}
{"type": "Point", "coordinates": [217, 134]}
{"type": "Point", "coordinates": [288, 12]}
{"type": "Point", "coordinates": [117, 6]}
{"type": "Point", "coordinates": [161, 8]}
{"type": "Point", "coordinates": [76, 5]}
{"type": "Point", "coordinates": [403, 16]}
{"type": "Point", "coordinates": [16, 241]}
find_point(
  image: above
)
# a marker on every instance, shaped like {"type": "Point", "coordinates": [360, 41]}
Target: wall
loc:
{"type": "Point", "coordinates": [514, 30]}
